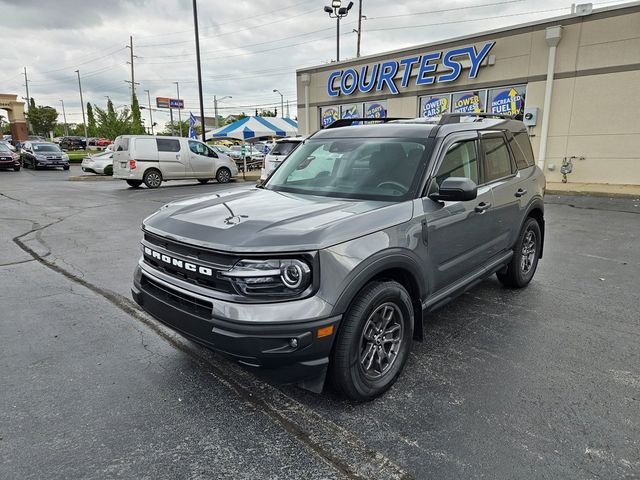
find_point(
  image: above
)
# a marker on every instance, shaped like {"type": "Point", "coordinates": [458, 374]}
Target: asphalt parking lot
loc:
{"type": "Point", "coordinates": [538, 383]}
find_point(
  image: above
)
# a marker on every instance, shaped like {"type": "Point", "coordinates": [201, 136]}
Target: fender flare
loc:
{"type": "Point", "coordinates": [538, 203]}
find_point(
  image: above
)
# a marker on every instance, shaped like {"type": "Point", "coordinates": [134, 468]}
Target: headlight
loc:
{"type": "Point", "coordinates": [65, 157]}
{"type": "Point", "coordinates": [277, 277]}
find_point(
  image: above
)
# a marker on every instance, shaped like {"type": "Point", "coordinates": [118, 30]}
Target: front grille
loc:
{"type": "Point", "coordinates": [183, 301]}
{"type": "Point", "coordinates": [215, 261]}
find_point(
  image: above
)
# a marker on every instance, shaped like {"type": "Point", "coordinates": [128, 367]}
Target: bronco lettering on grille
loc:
{"type": "Point", "coordinates": [191, 267]}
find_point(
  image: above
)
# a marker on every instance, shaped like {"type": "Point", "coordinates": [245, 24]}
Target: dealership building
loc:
{"type": "Point", "coordinates": [574, 80]}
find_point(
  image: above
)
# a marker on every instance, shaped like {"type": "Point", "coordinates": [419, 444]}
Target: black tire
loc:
{"type": "Point", "coordinates": [134, 183]}
{"type": "Point", "coordinates": [108, 170]}
{"type": "Point", "coordinates": [359, 342]}
{"type": "Point", "coordinates": [152, 178]}
{"type": "Point", "coordinates": [223, 175]}
{"type": "Point", "coordinates": [204, 180]}
{"type": "Point", "coordinates": [16, 169]}
{"type": "Point", "coordinates": [526, 253]}
{"type": "Point", "coordinates": [65, 168]}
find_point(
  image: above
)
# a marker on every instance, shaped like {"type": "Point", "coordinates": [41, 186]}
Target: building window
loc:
{"type": "Point", "coordinates": [435, 105]}
{"type": "Point", "coordinates": [351, 111]}
{"type": "Point", "coordinates": [469, 102]}
{"type": "Point", "coordinates": [328, 115]}
{"type": "Point", "coordinates": [375, 109]}
{"type": "Point", "coordinates": [507, 100]}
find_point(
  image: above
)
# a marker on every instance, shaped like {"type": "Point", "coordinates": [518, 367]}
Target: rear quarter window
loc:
{"type": "Point", "coordinates": [122, 144]}
{"type": "Point", "coordinates": [284, 148]}
{"type": "Point", "coordinates": [168, 145]}
{"type": "Point", "coordinates": [522, 151]}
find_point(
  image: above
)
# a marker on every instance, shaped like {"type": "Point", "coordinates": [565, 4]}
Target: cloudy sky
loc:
{"type": "Point", "coordinates": [248, 47]}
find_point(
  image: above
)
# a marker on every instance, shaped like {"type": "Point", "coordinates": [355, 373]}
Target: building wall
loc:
{"type": "Point", "coordinates": [596, 91]}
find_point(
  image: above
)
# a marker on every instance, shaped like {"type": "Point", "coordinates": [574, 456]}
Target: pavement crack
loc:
{"type": "Point", "coordinates": [17, 263]}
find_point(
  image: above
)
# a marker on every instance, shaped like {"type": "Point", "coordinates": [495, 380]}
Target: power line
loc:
{"type": "Point", "coordinates": [445, 10]}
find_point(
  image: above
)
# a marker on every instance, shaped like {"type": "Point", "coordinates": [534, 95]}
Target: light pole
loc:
{"type": "Point", "coordinates": [179, 116]}
{"type": "Point", "coordinates": [64, 116]}
{"type": "Point", "coordinates": [84, 121]}
{"type": "Point", "coordinates": [215, 110]}
{"type": "Point", "coordinates": [197, 35]}
{"type": "Point", "coordinates": [150, 114]}
{"type": "Point", "coordinates": [337, 11]}
{"type": "Point", "coordinates": [275, 90]}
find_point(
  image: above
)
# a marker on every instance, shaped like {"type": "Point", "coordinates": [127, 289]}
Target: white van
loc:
{"type": "Point", "coordinates": [151, 160]}
{"type": "Point", "coordinates": [282, 148]}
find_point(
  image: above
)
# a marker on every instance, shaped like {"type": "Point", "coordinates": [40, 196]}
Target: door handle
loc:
{"type": "Point", "coordinates": [521, 192]}
{"type": "Point", "coordinates": [482, 207]}
{"type": "Point", "coordinates": [178, 157]}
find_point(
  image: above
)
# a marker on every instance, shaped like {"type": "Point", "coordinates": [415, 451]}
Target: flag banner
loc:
{"type": "Point", "coordinates": [192, 126]}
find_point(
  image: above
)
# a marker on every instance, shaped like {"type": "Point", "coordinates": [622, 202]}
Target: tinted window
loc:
{"type": "Point", "coordinates": [45, 147]}
{"type": "Point", "coordinates": [497, 162]}
{"type": "Point", "coordinates": [123, 145]}
{"type": "Point", "coordinates": [284, 148]}
{"type": "Point", "coordinates": [197, 148]}
{"type": "Point", "coordinates": [4, 148]}
{"type": "Point", "coordinates": [522, 150]}
{"type": "Point", "coordinates": [168, 145]}
{"type": "Point", "coordinates": [461, 160]}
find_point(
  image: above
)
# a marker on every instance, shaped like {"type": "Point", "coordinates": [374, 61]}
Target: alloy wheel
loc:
{"type": "Point", "coordinates": [528, 251]}
{"type": "Point", "coordinates": [381, 340]}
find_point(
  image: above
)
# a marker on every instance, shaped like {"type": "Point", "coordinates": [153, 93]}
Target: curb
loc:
{"type": "Point", "coordinates": [584, 193]}
{"type": "Point", "coordinates": [90, 178]}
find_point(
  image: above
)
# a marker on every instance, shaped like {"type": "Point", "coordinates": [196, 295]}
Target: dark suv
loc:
{"type": "Point", "coordinates": [73, 143]}
{"type": "Point", "coordinates": [329, 267]}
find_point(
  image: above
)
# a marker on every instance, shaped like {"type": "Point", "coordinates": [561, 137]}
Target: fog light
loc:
{"type": "Point", "coordinates": [293, 343]}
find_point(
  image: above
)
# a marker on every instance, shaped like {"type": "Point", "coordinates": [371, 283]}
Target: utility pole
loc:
{"type": "Point", "coordinates": [173, 131]}
{"type": "Point", "coordinates": [64, 115]}
{"type": "Point", "coordinates": [84, 121]}
{"type": "Point", "coordinates": [150, 114]}
{"type": "Point", "coordinates": [359, 27]}
{"type": "Point", "coordinates": [26, 85]}
{"type": "Point", "coordinates": [179, 109]}
{"type": "Point", "coordinates": [215, 112]}
{"type": "Point", "coordinates": [133, 78]}
{"type": "Point", "coordinates": [288, 108]}
{"type": "Point", "coordinates": [195, 24]}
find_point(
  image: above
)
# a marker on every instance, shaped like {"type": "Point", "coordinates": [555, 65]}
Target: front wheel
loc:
{"type": "Point", "coordinates": [65, 168]}
{"type": "Point", "coordinates": [108, 170]}
{"type": "Point", "coordinates": [223, 175]}
{"type": "Point", "coordinates": [152, 178]}
{"type": "Point", "coordinates": [526, 253]}
{"type": "Point", "coordinates": [16, 169]}
{"type": "Point", "coordinates": [204, 180]}
{"type": "Point", "coordinates": [373, 343]}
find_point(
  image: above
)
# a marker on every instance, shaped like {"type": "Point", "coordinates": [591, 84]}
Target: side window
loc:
{"type": "Point", "coordinates": [168, 145]}
{"type": "Point", "coordinates": [523, 147]}
{"type": "Point", "coordinates": [461, 160]}
{"type": "Point", "coordinates": [123, 145]}
{"type": "Point", "coordinates": [497, 162]}
{"type": "Point", "coordinates": [198, 148]}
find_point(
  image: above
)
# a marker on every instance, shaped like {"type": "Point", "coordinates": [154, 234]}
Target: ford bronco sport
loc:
{"type": "Point", "coordinates": [327, 269]}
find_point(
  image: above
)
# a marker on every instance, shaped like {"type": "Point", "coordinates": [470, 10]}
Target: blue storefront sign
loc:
{"type": "Point", "coordinates": [507, 102]}
{"type": "Point", "coordinates": [468, 103]}
{"type": "Point", "coordinates": [375, 110]}
{"type": "Point", "coordinates": [329, 116]}
{"type": "Point", "coordinates": [435, 106]}
{"type": "Point", "coordinates": [382, 75]}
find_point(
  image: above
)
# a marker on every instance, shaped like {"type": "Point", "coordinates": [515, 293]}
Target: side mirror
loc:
{"type": "Point", "coordinates": [456, 189]}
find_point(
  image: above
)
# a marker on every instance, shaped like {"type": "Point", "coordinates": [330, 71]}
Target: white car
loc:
{"type": "Point", "coordinates": [151, 160]}
{"type": "Point", "coordinates": [278, 153]}
{"type": "Point", "coordinates": [101, 164]}
{"type": "Point", "coordinates": [8, 144]}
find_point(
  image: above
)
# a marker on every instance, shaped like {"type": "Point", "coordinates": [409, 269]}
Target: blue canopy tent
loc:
{"type": "Point", "coordinates": [250, 128]}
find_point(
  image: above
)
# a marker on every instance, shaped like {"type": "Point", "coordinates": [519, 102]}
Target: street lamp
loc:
{"type": "Point", "coordinates": [64, 115]}
{"type": "Point", "coordinates": [179, 116]}
{"type": "Point", "coordinates": [275, 90]}
{"type": "Point", "coordinates": [337, 11]}
{"type": "Point", "coordinates": [215, 110]}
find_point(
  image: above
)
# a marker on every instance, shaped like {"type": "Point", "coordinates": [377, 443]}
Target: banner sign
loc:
{"type": "Point", "coordinates": [468, 102]}
{"type": "Point", "coordinates": [350, 111]}
{"type": "Point", "coordinates": [507, 102]}
{"type": "Point", "coordinates": [329, 116]}
{"type": "Point", "coordinates": [435, 106]}
{"type": "Point", "coordinates": [375, 110]}
{"type": "Point", "coordinates": [381, 75]}
{"type": "Point", "coordinates": [166, 102]}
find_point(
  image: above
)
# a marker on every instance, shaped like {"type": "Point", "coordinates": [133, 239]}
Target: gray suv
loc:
{"type": "Point", "coordinates": [327, 270]}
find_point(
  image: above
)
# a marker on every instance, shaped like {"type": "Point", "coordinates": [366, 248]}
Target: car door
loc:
{"type": "Point", "coordinates": [499, 170]}
{"type": "Point", "coordinates": [172, 158]}
{"type": "Point", "coordinates": [458, 234]}
{"type": "Point", "coordinates": [201, 160]}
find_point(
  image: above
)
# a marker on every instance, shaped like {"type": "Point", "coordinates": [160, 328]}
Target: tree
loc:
{"type": "Point", "coordinates": [92, 129]}
{"type": "Point", "coordinates": [110, 124]}
{"type": "Point", "coordinates": [176, 129]}
{"type": "Point", "coordinates": [268, 113]}
{"type": "Point", "coordinates": [137, 128]}
{"type": "Point", "coordinates": [42, 119]}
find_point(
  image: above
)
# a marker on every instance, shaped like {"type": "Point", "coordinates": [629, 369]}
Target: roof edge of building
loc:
{"type": "Point", "coordinates": [614, 10]}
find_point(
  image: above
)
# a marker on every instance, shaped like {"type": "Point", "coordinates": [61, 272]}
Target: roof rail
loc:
{"type": "Point", "coordinates": [448, 118]}
{"type": "Point", "coordinates": [346, 122]}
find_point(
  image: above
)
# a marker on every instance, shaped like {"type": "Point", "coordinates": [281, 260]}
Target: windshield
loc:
{"type": "Point", "coordinates": [284, 148]}
{"type": "Point", "coordinates": [365, 168]}
{"type": "Point", "coordinates": [43, 147]}
{"type": "Point", "coordinates": [4, 148]}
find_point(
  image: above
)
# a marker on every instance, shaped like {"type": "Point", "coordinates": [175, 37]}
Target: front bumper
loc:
{"type": "Point", "coordinates": [9, 163]}
{"type": "Point", "coordinates": [265, 347]}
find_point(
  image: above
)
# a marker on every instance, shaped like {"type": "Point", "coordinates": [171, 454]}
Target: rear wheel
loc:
{"type": "Point", "coordinates": [152, 178]}
{"type": "Point", "coordinates": [223, 175]}
{"type": "Point", "coordinates": [373, 342]}
{"type": "Point", "coordinates": [526, 253]}
{"type": "Point", "coordinates": [204, 180]}
{"type": "Point", "coordinates": [134, 183]}
{"type": "Point", "coordinates": [108, 170]}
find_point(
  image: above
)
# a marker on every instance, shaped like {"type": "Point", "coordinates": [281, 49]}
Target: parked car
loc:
{"type": "Point", "coordinates": [8, 158]}
{"type": "Point", "coordinates": [43, 155]}
{"type": "Point", "coordinates": [103, 142]}
{"type": "Point", "coordinates": [36, 138]}
{"type": "Point", "coordinates": [56, 140]}
{"type": "Point", "coordinates": [222, 149]}
{"type": "Point", "coordinates": [100, 164]}
{"type": "Point", "coordinates": [278, 153]}
{"type": "Point", "coordinates": [327, 270]}
{"type": "Point", "coordinates": [151, 160]}
{"type": "Point", "coordinates": [73, 143]}
{"type": "Point", "coordinates": [8, 144]}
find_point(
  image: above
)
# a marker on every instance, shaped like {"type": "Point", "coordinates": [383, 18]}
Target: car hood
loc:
{"type": "Point", "coordinates": [258, 220]}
